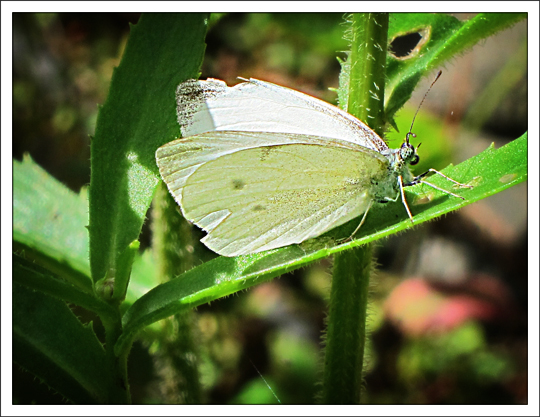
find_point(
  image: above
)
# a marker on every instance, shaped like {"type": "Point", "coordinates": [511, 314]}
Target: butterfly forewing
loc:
{"type": "Point", "coordinates": [259, 106]}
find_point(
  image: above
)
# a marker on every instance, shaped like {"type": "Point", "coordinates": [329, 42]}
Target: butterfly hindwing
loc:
{"type": "Point", "coordinates": [283, 190]}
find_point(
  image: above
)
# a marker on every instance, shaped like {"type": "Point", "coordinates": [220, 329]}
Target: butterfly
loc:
{"type": "Point", "coordinates": [260, 166]}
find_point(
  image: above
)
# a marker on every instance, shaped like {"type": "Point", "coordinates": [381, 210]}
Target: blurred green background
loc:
{"type": "Point", "coordinates": [448, 320]}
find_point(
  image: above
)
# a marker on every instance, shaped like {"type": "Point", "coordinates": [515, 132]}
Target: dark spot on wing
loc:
{"type": "Point", "coordinates": [258, 207]}
{"type": "Point", "coordinates": [238, 184]}
{"type": "Point", "coordinates": [265, 152]}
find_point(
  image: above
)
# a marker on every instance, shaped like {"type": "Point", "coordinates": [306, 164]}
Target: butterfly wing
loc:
{"type": "Point", "coordinates": [284, 189]}
{"type": "Point", "coordinates": [259, 106]}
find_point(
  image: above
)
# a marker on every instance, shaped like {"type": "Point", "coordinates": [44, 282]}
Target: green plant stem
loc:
{"type": "Point", "coordinates": [346, 332]}
{"type": "Point", "coordinates": [368, 68]}
{"type": "Point", "coordinates": [119, 393]}
{"type": "Point", "coordinates": [177, 358]}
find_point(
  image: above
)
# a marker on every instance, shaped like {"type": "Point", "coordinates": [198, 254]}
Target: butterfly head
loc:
{"type": "Point", "coordinates": [407, 152]}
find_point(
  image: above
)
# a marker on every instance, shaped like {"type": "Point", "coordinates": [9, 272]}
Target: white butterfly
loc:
{"type": "Point", "coordinates": [262, 166]}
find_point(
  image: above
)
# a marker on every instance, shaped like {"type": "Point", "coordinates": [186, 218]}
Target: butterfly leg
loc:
{"type": "Point", "coordinates": [418, 180]}
{"type": "Point", "coordinates": [361, 221]}
{"type": "Point", "coordinates": [359, 226]}
{"type": "Point", "coordinates": [401, 189]}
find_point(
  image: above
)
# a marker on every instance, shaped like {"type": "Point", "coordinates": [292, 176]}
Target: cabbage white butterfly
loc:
{"type": "Point", "coordinates": [262, 166]}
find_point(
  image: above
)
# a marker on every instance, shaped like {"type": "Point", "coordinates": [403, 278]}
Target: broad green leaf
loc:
{"type": "Point", "coordinates": [36, 278]}
{"type": "Point", "coordinates": [490, 172]}
{"type": "Point", "coordinates": [50, 342]}
{"type": "Point", "coordinates": [138, 117]}
{"type": "Point", "coordinates": [443, 37]}
{"type": "Point", "coordinates": [52, 228]}
{"type": "Point", "coordinates": [49, 221]}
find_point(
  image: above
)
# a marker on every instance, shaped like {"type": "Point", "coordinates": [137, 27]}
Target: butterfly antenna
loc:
{"type": "Point", "coordinates": [420, 105]}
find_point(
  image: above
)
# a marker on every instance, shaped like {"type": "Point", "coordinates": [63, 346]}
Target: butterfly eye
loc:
{"type": "Point", "coordinates": [415, 160]}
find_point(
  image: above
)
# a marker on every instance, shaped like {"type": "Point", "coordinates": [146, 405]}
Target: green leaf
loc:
{"type": "Point", "coordinates": [138, 117]}
{"type": "Point", "coordinates": [50, 342]}
{"type": "Point", "coordinates": [52, 228]}
{"type": "Point", "coordinates": [49, 221]}
{"type": "Point", "coordinates": [489, 172]}
{"type": "Point", "coordinates": [125, 263]}
{"type": "Point", "coordinates": [492, 171]}
{"type": "Point", "coordinates": [443, 37]}
{"type": "Point", "coordinates": [143, 276]}
{"type": "Point", "coordinates": [37, 278]}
